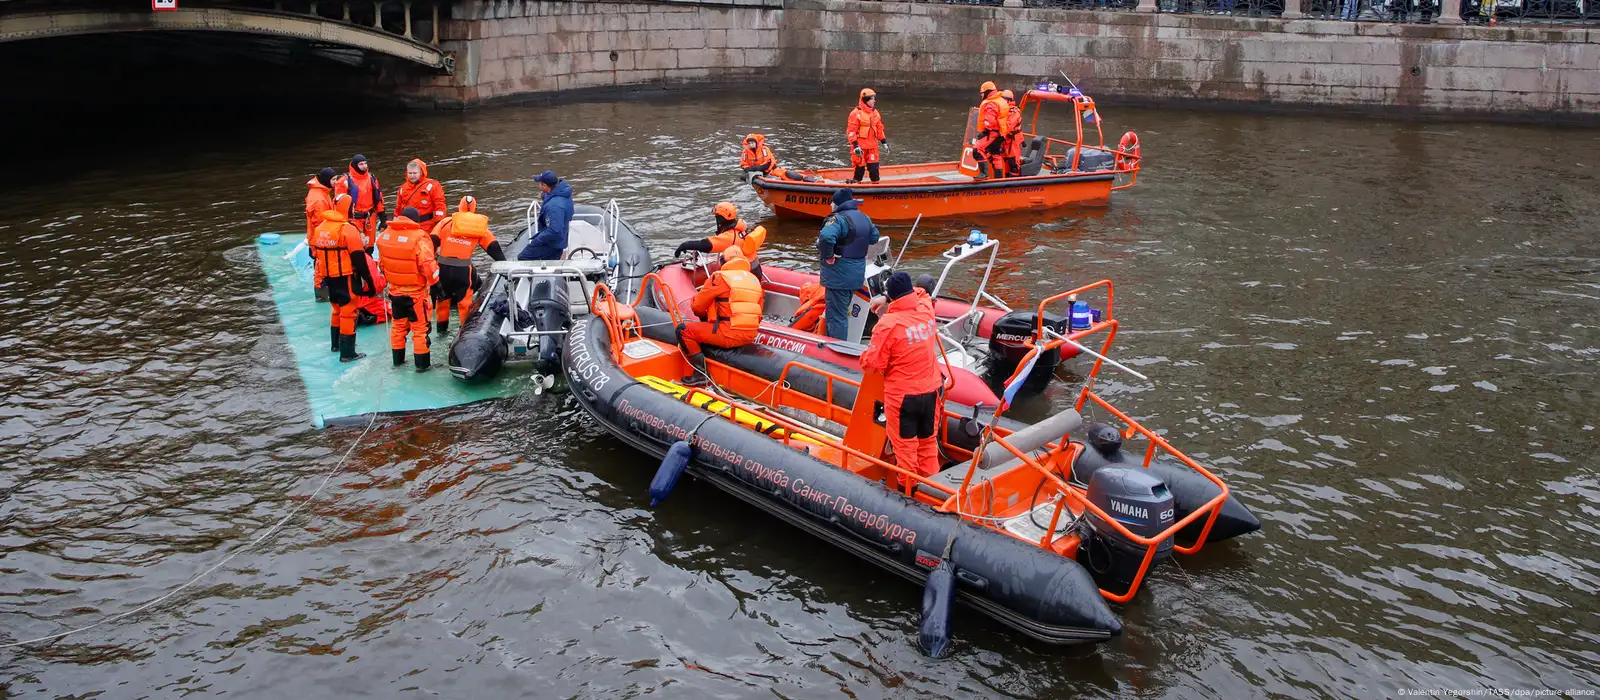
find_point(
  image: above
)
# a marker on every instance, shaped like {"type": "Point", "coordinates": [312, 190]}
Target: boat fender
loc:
{"type": "Point", "coordinates": [672, 467]}
{"type": "Point", "coordinates": [937, 595]}
{"type": "Point", "coordinates": [674, 463]}
{"type": "Point", "coordinates": [1104, 447]}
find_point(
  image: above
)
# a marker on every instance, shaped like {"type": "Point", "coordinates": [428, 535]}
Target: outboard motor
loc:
{"type": "Point", "coordinates": [1006, 349]}
{"type": "Point", "coordinates": [1103, 446]}
{"type": "Point", "coordinates": [1142, 503]}
{"type": "Point", "coordinates": [548, 305]}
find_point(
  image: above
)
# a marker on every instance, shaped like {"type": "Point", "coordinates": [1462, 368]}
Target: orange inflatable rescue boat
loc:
{"type": "Point", "coordinates": [1054, 173]}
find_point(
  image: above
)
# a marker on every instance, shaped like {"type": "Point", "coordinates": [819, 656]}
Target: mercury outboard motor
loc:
{"type": "Point", "coordinates": [548, 304]}
{"type": "Point", "coordinates": [1103, 447]}
{"type": "Point", "coordinates": [1006, 349]}
{"type": "Point", "coordinates": [1142, 503]}
{"type": "Point", "coordinates": [479, 349]}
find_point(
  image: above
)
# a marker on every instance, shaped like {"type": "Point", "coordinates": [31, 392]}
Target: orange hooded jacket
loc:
{"type": "Point", "coordinates": [426, 196]}
{"type": "Point", "coordinates": [904, 347]}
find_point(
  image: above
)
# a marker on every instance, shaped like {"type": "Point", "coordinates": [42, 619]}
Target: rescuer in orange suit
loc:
{"type": "Point", "coordinates": [1013, 134]}
{"type": "Point", "coordinates": [990, 143]}
{"type": "Point", "coordinates": [405, 252]}
{"type": "Point", "coordinates": [905, 349]}
{"type": "Point", "coordinates": [365, 209]}
{"type": "Point", "coordinates": [341, 265]}
{"type": "Point", "coordinates": [422, 193]}
{"type": "Point", "coordinates": [731, 231]}
{"type": "Point", "coordinates": [758, 158]}
{"type": "Point", "coordinates": [730, 303]}
{"type": "Point", "coordinates": [454, 239]}
{"type": "Point", "coordinates": [319, 198]}
{"type": "Point", "coordinates": [864, 131]}
{"type": "Point", "coordinates": [374, 309]}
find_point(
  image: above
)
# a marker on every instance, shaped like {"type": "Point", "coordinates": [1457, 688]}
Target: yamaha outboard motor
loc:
{"type": "Point", "coordinates": [549, 308]}
{"type": "Point", "coordinates": [1006, 349]}
{"type": "Point", "coordinates": [1103, 446]}
{"type": "Point", "coordinates": [480, 350]}
{"type": "Point", "coordinates": [1142, 503]}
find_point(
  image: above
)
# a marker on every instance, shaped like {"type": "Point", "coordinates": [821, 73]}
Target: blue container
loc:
{"type": "Point", "coordinates": [975, 238]}
{"type": "Point", "coordinates": [1082, 317]}
{"type": "Point", "coordinates": [269, 238]}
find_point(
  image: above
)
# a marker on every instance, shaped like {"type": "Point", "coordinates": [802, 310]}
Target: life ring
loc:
{"type": "Point", "coordinates": [1128, 152]}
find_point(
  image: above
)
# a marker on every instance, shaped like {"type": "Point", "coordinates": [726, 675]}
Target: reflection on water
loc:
{"type": "Point", "coordinates": [1382, 334]}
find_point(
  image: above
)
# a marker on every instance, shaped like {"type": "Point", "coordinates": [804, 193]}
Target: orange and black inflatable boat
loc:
{"type": "Point", "coordinates": [1054, 173]}
{"type": "Point", "coordinates": [1042, 524]}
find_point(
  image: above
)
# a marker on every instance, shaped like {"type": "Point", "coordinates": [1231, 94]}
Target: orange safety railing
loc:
{"type": "Point", "coordinates": [1127, 156]}
{"type": "Point", "coordinates": [782, 391]}
{"type": "Point", "coordinates": [1071, 496]}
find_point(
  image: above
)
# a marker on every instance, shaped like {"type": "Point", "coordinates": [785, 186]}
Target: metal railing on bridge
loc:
{"type": "Point", "coordinates": [417, 20]}
{"type": "Point", "coordinates": [1518, 12]}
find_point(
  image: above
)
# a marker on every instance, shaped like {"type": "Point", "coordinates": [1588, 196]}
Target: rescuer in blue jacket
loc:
{"type": "Point", "coordinates": [842, 248]}
{"type": "Point", "coordinates": [555, 215]}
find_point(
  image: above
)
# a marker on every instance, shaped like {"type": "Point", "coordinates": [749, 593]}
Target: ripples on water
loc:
{"type": "Point", "coordinates": [1383, 334]}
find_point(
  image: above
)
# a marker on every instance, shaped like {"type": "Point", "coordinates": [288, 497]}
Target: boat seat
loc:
{"type": "Point", "coordinates": [846, 349]}
{"type": "Point", "coordinates": [582, 234]}
{"type": "Point", "coordinates": [1032, 156]}
{"type": "Point", "coordinates": [997, 460]}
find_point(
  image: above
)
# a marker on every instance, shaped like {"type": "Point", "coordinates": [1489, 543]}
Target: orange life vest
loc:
{"type": "Point", "coordinates": [749, 241]}
{"type": "Point", "coordinates": [997, 120]}
{"type": "Point", "coordinates": [865, 127]}
{"type": "Point", "coordinates": [405, 253]}
{"type": "Point", "coordinates": [812, 303]}
{"type": "Point", "coordinates": [331, 244]}
{"type": "Point", "coordinates": [742, 309]}
{"type": "Point", "coordinates": [467, 230]}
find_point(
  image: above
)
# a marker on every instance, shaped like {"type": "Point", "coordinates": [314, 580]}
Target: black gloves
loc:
{"type": "Point", "coordinates": [700, 244]}
{"type": "Point", "coordinates": [496, 252]}
{"type": "Point", "coordinates": [364, 286]}
{"type": "Point", "coordinates": [436, 291]}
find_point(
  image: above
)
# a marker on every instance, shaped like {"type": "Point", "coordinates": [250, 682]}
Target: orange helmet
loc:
{"type": "Point", "coordinates": [1008, 95]}
{"type": "Point", "coordinates": [987, 87]}
{"type": "Point", "coordinates": [867, 92]}
{"type": "Point", "coordinates": [467, 204]}
{"type": "Point", "coordinates": [726, 210]}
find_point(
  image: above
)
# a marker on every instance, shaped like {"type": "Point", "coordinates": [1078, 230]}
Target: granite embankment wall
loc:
{"type": "Point", "coordinates": [512, 50]}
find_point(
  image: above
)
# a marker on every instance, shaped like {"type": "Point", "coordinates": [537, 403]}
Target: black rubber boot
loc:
{"type": "Point", "coordinates": [333, 338]}
{"type": "Point", "coordinates": [424, 361]}
{"type": "Point", "coordinates": [698, 376]}
{"type": "Point", "coordinates": [347, 349]}
{"type": "Point", "coordinates": [399, 356]}
{"type": "Point", "coordinates": [442, 327]}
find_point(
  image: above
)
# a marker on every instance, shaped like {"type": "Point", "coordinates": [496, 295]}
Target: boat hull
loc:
{"type": "Point", "coordinates": [1035, 591]}
{"type": "Point", "coordinates": [908, 191]}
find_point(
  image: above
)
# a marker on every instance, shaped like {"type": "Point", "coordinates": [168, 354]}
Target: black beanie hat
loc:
{"type": "Point", "coordinates": [926, 282]}
{"type": "Point", "coordinates": [409, 213]}
{"type": "Point", "coordinates": [326, 177]}
{"type": "Point", "coordinates": [358, 159]}
{"type": "Point", "coordinates": [843, 195]}
{"type": "Point", "coordinates": [899, 285]}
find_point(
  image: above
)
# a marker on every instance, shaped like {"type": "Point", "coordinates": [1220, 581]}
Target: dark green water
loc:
{"type": "Point", "coordinates": [1384, 335]}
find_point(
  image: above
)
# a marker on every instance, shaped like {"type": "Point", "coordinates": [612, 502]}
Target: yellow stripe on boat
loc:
{"type": "Point", "coordinates": [702, 400]}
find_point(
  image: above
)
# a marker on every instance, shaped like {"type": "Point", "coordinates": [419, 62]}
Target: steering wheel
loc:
{"type": "Point", "coordinates": [571, 254]}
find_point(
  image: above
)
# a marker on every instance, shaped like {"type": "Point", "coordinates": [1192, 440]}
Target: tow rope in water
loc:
{"type": "Point", "coordinates": [268, 532]}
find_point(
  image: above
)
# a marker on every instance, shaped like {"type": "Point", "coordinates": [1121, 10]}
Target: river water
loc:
{"type": "Point", "coordinates": [1383, 334]}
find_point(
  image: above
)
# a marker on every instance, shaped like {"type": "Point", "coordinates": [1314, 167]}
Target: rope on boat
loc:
{"type": "Point", "coordinates": [268, 532]}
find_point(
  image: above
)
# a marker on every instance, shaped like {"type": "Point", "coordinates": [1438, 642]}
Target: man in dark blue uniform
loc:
{"type": "Point", "coordinates": [842, 248]}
